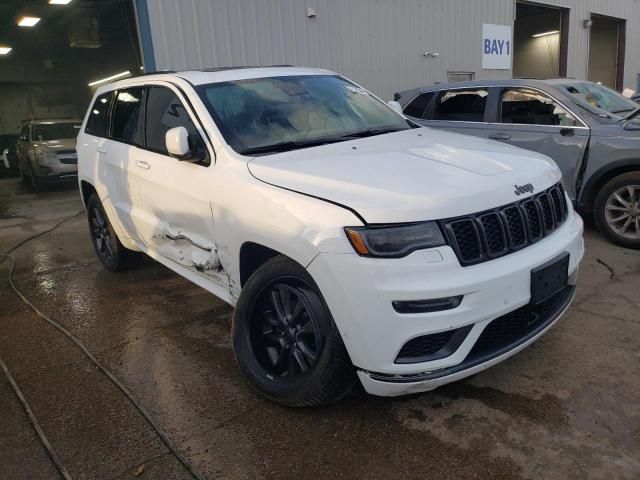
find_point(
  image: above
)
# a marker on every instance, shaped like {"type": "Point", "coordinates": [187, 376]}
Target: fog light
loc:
{"type": "Point", "coordinates": [45, 170]}
{"type": "Point", "coordinates": [426, 306]}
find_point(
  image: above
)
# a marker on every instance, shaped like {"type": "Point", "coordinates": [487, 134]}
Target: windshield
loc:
{"type": "Point", "coordinates": [266, 115]}
{"type": "Point", "coordinates": [55, 131]}
{"type": "Point", "coordinates": [602, 98]}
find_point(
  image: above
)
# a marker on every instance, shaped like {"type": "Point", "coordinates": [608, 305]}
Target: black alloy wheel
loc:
{"type": "Point", "coordinates": [101, 235]}
{"type": "Point", "coordinates": [286, 338]}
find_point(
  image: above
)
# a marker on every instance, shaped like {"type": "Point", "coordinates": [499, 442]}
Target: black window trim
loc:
{"type": "Point", "coordinates": [427, 110]}
{"type": "Point", "coordinates": [113, 108]}
{"type": "Point", "coordinates": [501, 89]}
{"type": "Point", "coordinates": [210, 158]}
{"type": "Point", "coordinates": [583, 126]}
{"type": "Point", "coordinates": [439, 93]}
{"type": "Point", "coordinates": [109, 110]}
{"type": "Point", "coordinates": [181, 96]}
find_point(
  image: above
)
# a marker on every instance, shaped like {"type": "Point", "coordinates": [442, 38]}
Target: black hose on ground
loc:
{"type": "Point", "coordinates": [165, 439]}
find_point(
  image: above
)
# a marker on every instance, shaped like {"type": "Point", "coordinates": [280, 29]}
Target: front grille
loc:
{"type": "Point", "coordinates": [512, 328]}
{"type": "Point", "coordinates": [491, 234]}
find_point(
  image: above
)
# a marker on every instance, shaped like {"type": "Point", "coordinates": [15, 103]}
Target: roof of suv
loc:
{"type": "Point", "coordinates": [47, 121]}
{"type": "Point", "coordinates": [223, 74]}
{"type": "Point", "coordinates": [507, 82]}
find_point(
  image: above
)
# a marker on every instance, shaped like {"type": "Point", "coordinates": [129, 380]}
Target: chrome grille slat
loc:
{"type": "Point", "coordinates": [486, 235]}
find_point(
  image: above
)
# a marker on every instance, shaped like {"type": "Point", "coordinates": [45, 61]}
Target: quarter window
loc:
{"type": "Point", "coordinates": [461, 105]}
{"type": "Point", "coordinates": [418, 106]}
{"type": "Point", "coordinates": [125, 123]}
{"type": "Point", "coordinates": [531, 107]}
{"type": "Point", "coordinates": [166, 111]}
{"type": "Point", "coordinates": [98, 121]}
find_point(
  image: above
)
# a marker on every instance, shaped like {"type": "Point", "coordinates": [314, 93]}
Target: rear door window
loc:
{"type": "Point", "coordinates": [98, 121]}
{"type": "Point", "coordinates": [126, 120]}
{"type": "Point", "coordinates": [531, 107]}
{"type": "Point", "coordinates": [165, 111]}
{"type": "Point", "coordinates": [461, 105]}
{"type": "Point", "coordinates": [418, 106]}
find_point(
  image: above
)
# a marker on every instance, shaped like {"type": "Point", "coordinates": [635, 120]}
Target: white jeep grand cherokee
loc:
{"type": "Point", "coordinates": [352, 244]}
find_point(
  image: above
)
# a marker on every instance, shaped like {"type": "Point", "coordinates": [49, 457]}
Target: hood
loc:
{"type": "Point", "coordinates": [58, 145]}
{"type": "Point", "coordinates": [408, 176]}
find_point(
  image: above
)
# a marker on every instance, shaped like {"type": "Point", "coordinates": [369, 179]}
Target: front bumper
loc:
{"type": "Point", "coordinates": [67, 177]}
{"type": "Point", "coordinates": [359, 292]}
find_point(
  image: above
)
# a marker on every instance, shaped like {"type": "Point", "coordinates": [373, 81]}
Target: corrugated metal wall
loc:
{"type": "Point", "coordinates": [579, 36]}
{"type": "Point", "coordinates": [378, 43]}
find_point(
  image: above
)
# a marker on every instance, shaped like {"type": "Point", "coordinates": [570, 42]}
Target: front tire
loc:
{"type": "Point", "coordinates": [617, 210]}
{"type": "Point", "coordinates": [112, 254]}
{"type": "Point", "coordinates": [285, 340]}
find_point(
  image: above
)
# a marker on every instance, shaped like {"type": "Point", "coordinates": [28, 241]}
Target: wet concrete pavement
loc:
{"type": "Point", "coordinates": [567, 407]}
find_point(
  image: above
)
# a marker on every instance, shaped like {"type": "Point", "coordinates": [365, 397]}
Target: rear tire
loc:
{"type": "Point", "coordinates": [617, 210]}
{"type": "Point", "coordinates": [285, 340]}
{"type": "Point", "coordinates": [112, 254]}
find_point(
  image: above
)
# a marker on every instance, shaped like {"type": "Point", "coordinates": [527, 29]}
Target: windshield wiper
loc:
{"type": "Point", "coordinates": [290, 145]}
{"type": "Point", "coordinates": [623, 110]}
{"type": "Point", "coordinates": [294, 145]}
{"type": "Point", "coordinates": [370, 132]}
{"type": "Point", "coordinates": [632, 114]}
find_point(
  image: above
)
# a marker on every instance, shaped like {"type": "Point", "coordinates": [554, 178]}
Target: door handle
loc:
{"type": "Point", "coordinates": [567, 132]}
{"type": "Point", "coordinates": [142, 164]}
{"type": "Point", "coordinates": [499, 136]}
{"type": "Point", "coordinates": [101, 150]}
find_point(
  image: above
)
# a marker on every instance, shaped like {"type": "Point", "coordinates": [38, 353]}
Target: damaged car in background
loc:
{"type": "Point", "coordinates": [589, 130]}
{"type": "Point", "coordinates": [354, 245]}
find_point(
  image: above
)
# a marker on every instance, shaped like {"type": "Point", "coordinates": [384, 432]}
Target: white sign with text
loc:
{"type": "Point", "coordinates": [497, 47]}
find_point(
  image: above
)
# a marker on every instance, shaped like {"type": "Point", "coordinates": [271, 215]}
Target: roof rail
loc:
{"type": "Point", "coordinates": [207, 69]}
{"type": "Point", "coordinates": [237, 67]}
{"type": "Point", "coordinates": [157, 72]}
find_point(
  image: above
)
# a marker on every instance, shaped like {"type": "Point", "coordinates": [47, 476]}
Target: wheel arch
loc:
{"type": "Point", "coordinates": [86, 189]}
{"type": "Point", "coordinates": [601, 177]}
{"type": "Point", "coordinates": [252, 256]}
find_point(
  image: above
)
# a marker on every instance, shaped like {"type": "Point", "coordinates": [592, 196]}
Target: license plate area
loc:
{"type": "Point", "coordinates": [549, 278]}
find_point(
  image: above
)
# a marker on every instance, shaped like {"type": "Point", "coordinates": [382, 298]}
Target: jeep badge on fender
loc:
{"type": "Point", "coordinates": [523, 189]}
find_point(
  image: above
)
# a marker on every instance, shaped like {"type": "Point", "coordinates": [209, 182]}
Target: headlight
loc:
{"type": "Point", "coordinates": [44, 156]}
{"type": "Point", "coordinates": [394, 241]}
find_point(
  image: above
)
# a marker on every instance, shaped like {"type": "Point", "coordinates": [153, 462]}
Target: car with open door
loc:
{"type": "Point", "coordinates": [589, 130]}
{"type": "Point", "coordinates": [353, 244]}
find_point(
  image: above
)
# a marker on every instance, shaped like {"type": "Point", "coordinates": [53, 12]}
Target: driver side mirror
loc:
{"type": "Point", "coordinates": [396, 106]}
{"type": "Point", "coordinates": [179, 146]}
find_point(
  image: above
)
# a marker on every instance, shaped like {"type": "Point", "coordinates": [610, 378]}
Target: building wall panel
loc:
{"type": "Point", "coordinates": [378, 43]}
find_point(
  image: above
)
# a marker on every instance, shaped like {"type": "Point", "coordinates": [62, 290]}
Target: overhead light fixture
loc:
{"type": "Point", "coordinates": [27, 21]}
{"type": "Point", "coordinates": [59, 2]}
{"type": "Point", "coordinates": [5, 50]}
{"type": "Point", "coordinates": [112, 77]}
{"type": "Point", "coordinates": [544, 34]}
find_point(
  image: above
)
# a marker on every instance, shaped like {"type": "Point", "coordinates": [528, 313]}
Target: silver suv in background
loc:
{"type": "Point", "coordinates": [591, 131]}
{"type": "Point", "coordinates": [46, 151]}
